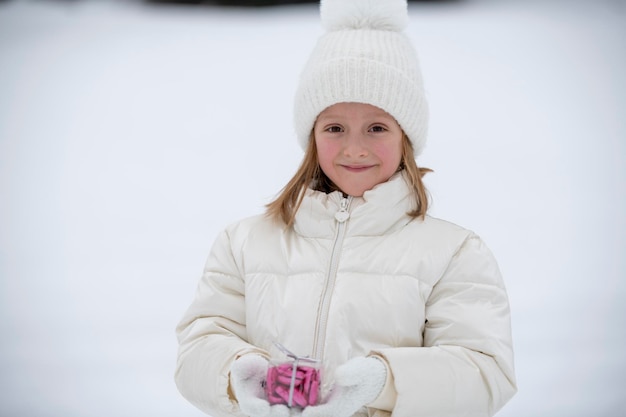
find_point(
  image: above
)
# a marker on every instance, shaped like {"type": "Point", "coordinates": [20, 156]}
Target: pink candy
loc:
{"type": "Point", "coordinates": [305, 388]}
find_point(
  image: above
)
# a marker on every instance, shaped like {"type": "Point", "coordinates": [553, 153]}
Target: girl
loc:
{"type": "Point", "coordinates": [406, 314]}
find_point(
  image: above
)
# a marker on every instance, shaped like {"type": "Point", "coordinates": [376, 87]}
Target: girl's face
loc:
{"type": "Point", "coordinates": [358, 146]}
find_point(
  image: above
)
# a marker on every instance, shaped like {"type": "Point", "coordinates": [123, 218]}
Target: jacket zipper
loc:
{"type": "Point", "coordinates": [322, 319]}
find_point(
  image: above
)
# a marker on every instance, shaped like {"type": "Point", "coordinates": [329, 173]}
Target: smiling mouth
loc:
{"type": "Point", "coordinates": [356, 168]}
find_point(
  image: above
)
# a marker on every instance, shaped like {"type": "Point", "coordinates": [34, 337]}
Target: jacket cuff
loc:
{"type": "Point", "coordinates": [386, 400]}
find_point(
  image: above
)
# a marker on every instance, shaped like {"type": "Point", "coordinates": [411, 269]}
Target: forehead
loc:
{"type": "Point", "coordinates": [361, 110]}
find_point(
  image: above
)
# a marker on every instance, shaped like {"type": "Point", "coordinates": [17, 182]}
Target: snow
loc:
{"type": "Point", "coordinates": [130, 135]}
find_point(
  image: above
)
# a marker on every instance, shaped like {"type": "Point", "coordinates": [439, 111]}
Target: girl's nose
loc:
{"type": "Point", "coordinates": [354, 146]}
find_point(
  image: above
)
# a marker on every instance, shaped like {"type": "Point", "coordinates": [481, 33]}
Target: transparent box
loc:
{"type": "Point", "coordinates": [294, 382]}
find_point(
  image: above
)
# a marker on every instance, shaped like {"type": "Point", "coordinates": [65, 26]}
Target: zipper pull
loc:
{"type": "Point", "coordinates": [342, 215]}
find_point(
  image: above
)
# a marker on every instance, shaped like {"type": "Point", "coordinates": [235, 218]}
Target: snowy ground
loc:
{"type": "Point", "coordinates": [130, 135]}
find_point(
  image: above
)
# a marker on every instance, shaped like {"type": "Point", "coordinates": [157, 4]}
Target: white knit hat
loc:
{"type": "Point", "coordinates": [365, 58]}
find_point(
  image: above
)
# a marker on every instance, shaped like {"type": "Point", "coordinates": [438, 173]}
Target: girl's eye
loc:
{"type": "Point", "coordinates": [334, 129]}
{"type": "Point", "coordinates": [377, 128]}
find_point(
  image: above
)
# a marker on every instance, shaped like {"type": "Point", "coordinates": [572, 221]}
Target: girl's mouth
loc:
{"type": "Point", "coordinates": [356, 168]}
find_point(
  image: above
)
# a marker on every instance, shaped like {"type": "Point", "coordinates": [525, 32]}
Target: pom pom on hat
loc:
{"type": "Point", "coordinates": [364, 57]}
{"type": "Point", "coordinates": [364, 14]}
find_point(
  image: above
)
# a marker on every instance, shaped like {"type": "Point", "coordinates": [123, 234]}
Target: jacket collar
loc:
{"type": "Point", "coordinates": [379, 211]}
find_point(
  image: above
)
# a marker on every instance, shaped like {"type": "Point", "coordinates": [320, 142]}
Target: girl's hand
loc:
{"type": "Point", "coordinates": [357, 382]}
{"type": "Point", "coordinates": [247, 377]}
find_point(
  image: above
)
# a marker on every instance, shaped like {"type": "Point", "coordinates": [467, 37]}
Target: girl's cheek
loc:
{"type": "Point", "coordinates": [327, 147]}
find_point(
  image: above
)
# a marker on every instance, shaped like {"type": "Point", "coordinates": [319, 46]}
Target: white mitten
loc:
{"type": "Point", "coordinates": [247, 377]}
{"type": "Point", "coordinates": [357, 382]}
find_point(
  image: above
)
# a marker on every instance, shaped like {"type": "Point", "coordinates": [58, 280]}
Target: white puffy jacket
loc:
{"type": "Point", "coordinates": [425, 295]}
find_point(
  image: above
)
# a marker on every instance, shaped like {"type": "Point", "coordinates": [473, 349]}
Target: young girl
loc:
{"type": "Point", "coordinates": [405, 313]}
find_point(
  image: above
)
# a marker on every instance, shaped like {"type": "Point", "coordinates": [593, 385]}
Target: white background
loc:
{"type": "Point", "coordinates": [130, 135]}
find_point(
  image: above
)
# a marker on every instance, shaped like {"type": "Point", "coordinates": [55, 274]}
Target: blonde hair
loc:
{"type": "Point", "coordinates": [309, 174]}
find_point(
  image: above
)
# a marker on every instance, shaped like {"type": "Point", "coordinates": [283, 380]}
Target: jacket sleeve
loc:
{"type": "Point", "coordinates": [465, 367]}
{"type": "Point", "coordinates": [212, 334]}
